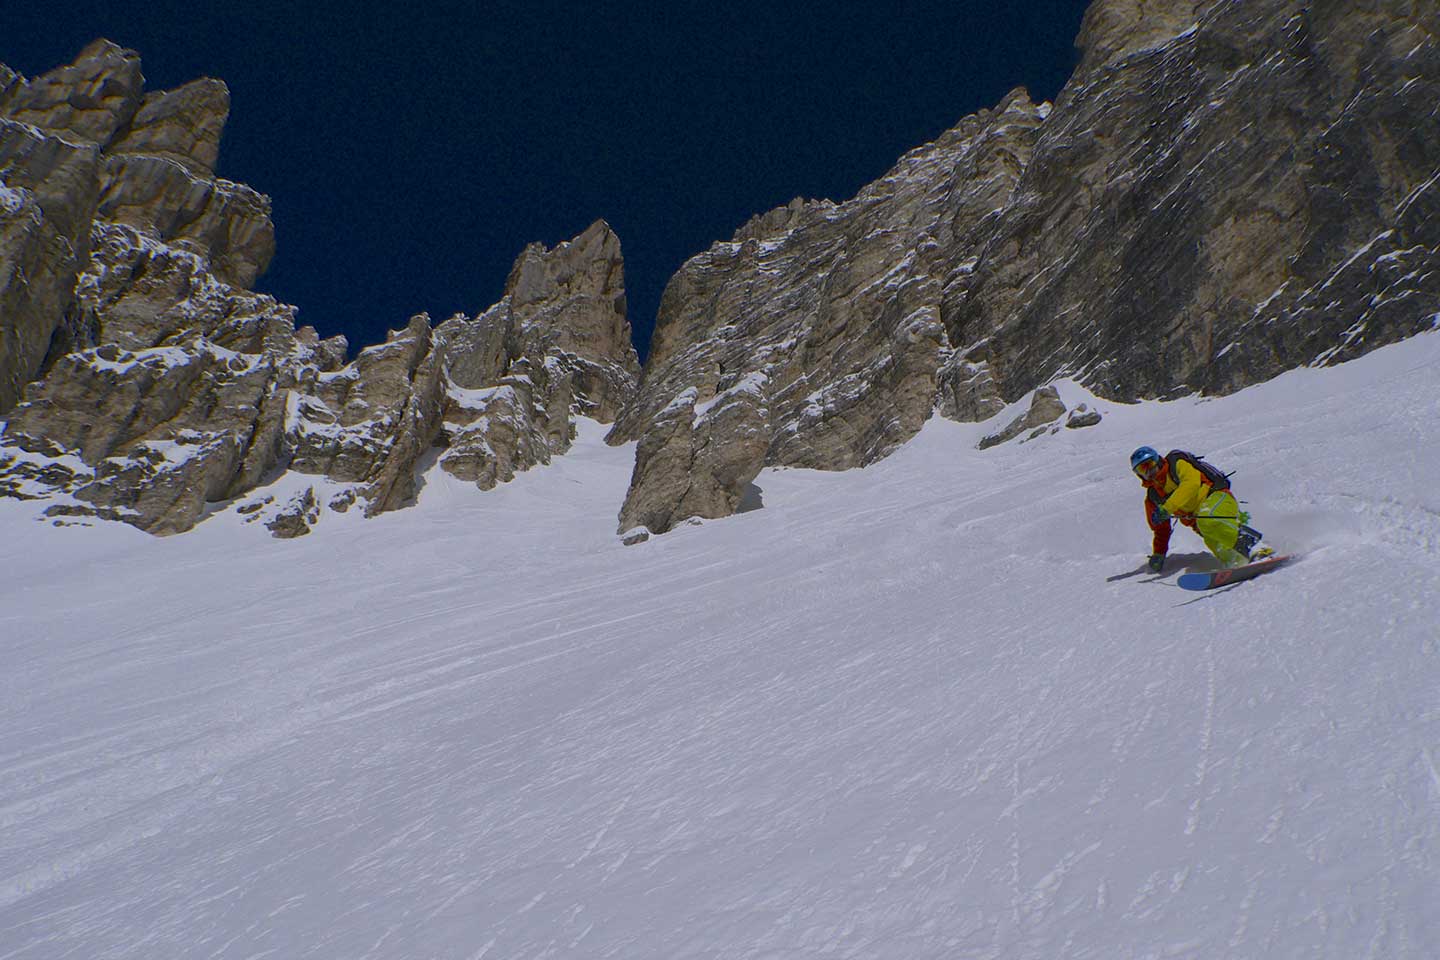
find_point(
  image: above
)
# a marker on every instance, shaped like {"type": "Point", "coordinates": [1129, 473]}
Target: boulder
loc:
{"type": "Point", "coordinates": [296, 518]}
{"type": "Point", "coordinates": [1045, 408]}
{"type": "Point", "coordinates": [1082, 416]}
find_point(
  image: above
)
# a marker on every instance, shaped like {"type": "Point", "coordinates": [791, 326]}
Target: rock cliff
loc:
{"type": "Point", "coordinates": [1221, 192]}
{"type": "Point", "coordinates": [813, 338]}
{"type": "Point", "coordinates": [141, 379]}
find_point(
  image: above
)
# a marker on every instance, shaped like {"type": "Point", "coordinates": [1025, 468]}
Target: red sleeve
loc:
{"type": "Point", "coordinates": [1161, 541]}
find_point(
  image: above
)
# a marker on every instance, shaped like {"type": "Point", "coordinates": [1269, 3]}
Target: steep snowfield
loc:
{"type": "Point", "coordinates": [904, 712]}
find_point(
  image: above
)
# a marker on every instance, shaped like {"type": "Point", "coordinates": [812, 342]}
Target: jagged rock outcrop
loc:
{"type": "Point", "coordinates": [368, 422]}
{"type": "Point", "coordinates": [1221, 192]}
{"type": "Point", "coordinates": [297, 517]}
{"type": "Point", "coordinates": [51, 131]}
{"type": "Point", "coordinates": [74, 170]}
{"type": "Point", "coordinates": [163, 377]}
{"type": "Point", "coordinates": [89, 101]}
{"type": "Point", "coordinates": [818, 324]}
{"type": "Point", "coordinates": [496, 393]}
{"type": "Point", "coordinates": [151, 435]}
{"type": "Point", "coordinates": [557, 341]}
{"type": "Point", "coordinates": [183, 125]}
{"type": "Point", "coordinates": [155, 382]}
{"type": "Point", "coordinates": [569, 304]}
{"type": "Point", "coordinates": [698, 459]}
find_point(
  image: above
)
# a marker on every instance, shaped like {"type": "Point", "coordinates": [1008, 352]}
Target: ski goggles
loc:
{"type": "Point", "coordinates": [1146, 469]}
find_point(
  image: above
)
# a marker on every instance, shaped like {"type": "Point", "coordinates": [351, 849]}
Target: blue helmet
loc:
{"type": "Point", "coordinates": [1143, 455]}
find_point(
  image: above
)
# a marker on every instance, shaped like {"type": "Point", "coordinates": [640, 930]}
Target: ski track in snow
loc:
{"type": "Point", "coordinates": [896, 713]}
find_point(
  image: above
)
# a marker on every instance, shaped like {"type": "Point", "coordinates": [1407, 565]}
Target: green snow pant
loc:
{"type": "Point", "coordinates": [1218, 523]}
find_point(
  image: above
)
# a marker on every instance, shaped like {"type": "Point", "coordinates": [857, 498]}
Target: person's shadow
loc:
{"type": "Point", "coordinates": [1175, 562]}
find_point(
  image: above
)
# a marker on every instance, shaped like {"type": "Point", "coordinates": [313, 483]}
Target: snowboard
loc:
{"type": "Point", "coordinates": [1218, 578]}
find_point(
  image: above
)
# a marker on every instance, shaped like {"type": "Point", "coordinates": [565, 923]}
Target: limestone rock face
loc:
{"type": "Point", "coordinates": [141, 380]}
{"type": "Point", "coordinates": [48, 193]}
{"type": "Point", "coordinates": [820, 321]}
{"type": "Point", "coordinates": [198, 391]}
{"type": "Point", "coordinates": [183, 125]}
{"type": "Point", "coordinates": [496, 394]}
{"type": "Point", "coordinates": [698, 460]}
{"type": "Point", "coordinates": [90, 100]}
{"type": "Point", "coordinates": [73, 146]}
{"type": "Point", "coordinates": [345, 422]}
{"type": "Point", "coordinates": [37, 281]}
{"type": "Point", "coordinates": [967, 389]}
{"type": "Point", "coordinates": [151, 435]}
{"type": "Point", "coordinates": [157, 375]}
{"type": "Point", "coordinates": [1224, 191]}
{"type": "Point", "coordinates": [517, 423]}
{"type": "Point", "coordinates": [1115, 29]}
{"type": "Point", "coordinates": [228, 223]}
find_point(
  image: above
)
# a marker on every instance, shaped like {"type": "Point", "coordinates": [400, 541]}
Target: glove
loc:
{"type": "Point", "coordinates": [1157, 562]}
{"type": "Point", "coordinates": [1158, 516]}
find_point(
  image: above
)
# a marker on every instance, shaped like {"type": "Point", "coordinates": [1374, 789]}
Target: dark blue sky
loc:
{"type": "Point", "coordinates": [412, 153]}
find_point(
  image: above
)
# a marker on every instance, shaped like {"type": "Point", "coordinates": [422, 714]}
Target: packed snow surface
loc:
{"type": "Point", "coordinates": [930, 709]}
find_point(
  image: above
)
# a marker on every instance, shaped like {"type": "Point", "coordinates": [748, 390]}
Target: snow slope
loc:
{"type": "Point", "coordinates": [904, 712]}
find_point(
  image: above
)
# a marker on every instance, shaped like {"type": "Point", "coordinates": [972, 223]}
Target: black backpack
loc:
{"type": "Point", "coordinates": [1212, 474]}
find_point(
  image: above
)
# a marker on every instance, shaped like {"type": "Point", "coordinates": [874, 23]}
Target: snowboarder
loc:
{"type": "Point", "coordinates": [1183, 486]}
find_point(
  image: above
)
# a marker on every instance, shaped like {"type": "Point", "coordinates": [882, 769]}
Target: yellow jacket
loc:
{"type": "Point", "coordinates": [1185, 489]}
